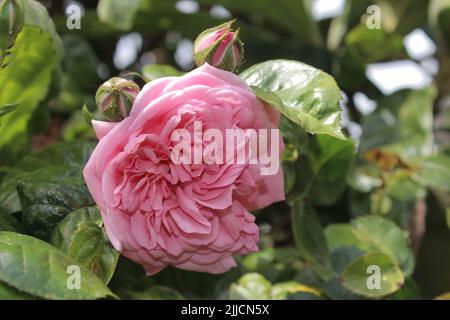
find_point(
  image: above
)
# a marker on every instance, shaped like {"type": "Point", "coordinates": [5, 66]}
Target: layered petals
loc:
{"type": "Point", "coordinates": [194, 216]}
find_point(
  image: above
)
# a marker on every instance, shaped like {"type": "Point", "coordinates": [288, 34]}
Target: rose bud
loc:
{"type": "Point", "coordinates": [11, 22]}
{"type": "Point", "coordinates": [220, 47]}
{"type": "Point", "coordinates": [115, 98]}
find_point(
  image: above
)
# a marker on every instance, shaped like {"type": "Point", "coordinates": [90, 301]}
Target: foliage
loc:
{"type": "Point", "coordinates": [354, 201]}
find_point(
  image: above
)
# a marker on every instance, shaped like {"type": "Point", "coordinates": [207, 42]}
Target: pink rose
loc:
{"type": "Point", "coordinates": [194, 217]}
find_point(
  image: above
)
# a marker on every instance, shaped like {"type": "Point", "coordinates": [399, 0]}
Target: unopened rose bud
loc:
{"type": "Point", "coordinates": [11, 22]}
{"type": "Point", "coordinates": [220, 47]}
{"type": "Point", "coordinates": [115, 98]}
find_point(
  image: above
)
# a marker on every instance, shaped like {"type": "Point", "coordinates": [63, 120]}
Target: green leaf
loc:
{"type": "Point", "coordinates": [81, 237]}
{"type": "Point", "coordinates": [434, 171]}
{"type": "Point", "coordinates": [26, 77]}
{"type": "Point", "coordinates": [36, 15]}
{"type": "Point", "coordinates": [8, 108]}
{"type": "Point", "coordinates": [386, 237]}
{"type": "Point", "coordinates": [155, 71]}
{"type": "Point", "coordinates": [373, 234]}
{"type": "Point", "coordinates": [118, 14]}
{"type": "Point", "coordinates": [70, 155]}
{"type": "Point", "coordinates": [9, 223]}
{"type": "Point", "coordinates": [276, 264]}
{"type": "Point", "coordinates": [305, 95]}
{"type": "Point", "coordinates": [409, 291]}
{"type": "Point", "coordinates": [343, 235]}
{"type": "Point", "coordinates": [153, 293]}
{"type": "Point", "coordinates": [340, 259]}
{"type": "Point", "coordinates": [48, 195]}
{"type": "Point", "coordinates": [358, 276]}
{"type": "Point", "coordinates": [47, 185]}
{"type": "Point", "coordinates": [309, 238]}
{"type": "Point", "coordinates": [37, 268]}
{"type": "Point", "coordinates": [402, 124]}
{"type": "Point", "coordinates": [373, 45]}
{"type": "Point", "coordinates": [9, 293]}
{"type": "Point", "coordinates": [290, 172]}
{"type": "Point", "coordinates": [330, 161]}
{"type": "Point", "coordinates": [251, 286]}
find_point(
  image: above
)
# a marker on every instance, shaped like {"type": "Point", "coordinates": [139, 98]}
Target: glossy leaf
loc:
{"type": "Point", "coordinates": [71, 155]}
{"type": "Point", "coordinates": [48, 195]}
{"type": "Point", "coordinates": [9, 223]}
{"type": "Point", "coordinates": [386, 237]}
{"type": "Point", "coordinates": [47, 185]}
{"type": "Point", "coordinates": [81, 237]}
{"type": "Point", "coordinates": [39, 269]}
{"type": "Point", "coordinates": [26, 77]}
{"type": "Point", "coordinates": [340, 259]}
{"type": "Point", "coordinates": [305, 95]}
{"type": "Point", "coordinates": [358, 276]}
{"type": "Point", "coordinates": [9, 293]}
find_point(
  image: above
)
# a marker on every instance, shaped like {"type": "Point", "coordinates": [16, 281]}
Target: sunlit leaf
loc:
{"type": "Point", "coordinates": [305, 95]}
{"type": "Point", "coordinates": [37, 268]}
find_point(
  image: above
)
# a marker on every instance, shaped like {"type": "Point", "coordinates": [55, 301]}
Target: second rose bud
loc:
{"type": "Point", "coordinates": [220, 47]}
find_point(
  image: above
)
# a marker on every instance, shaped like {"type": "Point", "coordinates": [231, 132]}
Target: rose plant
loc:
{"type": "Point", "coordinates": [218, 174]}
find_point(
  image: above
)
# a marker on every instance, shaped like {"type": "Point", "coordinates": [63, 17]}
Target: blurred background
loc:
{"type": "Point", "coordinates": [390, 58]}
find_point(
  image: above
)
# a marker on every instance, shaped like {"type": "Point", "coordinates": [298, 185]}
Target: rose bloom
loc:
{"type": "Point", "coordinates": [194, 217]}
